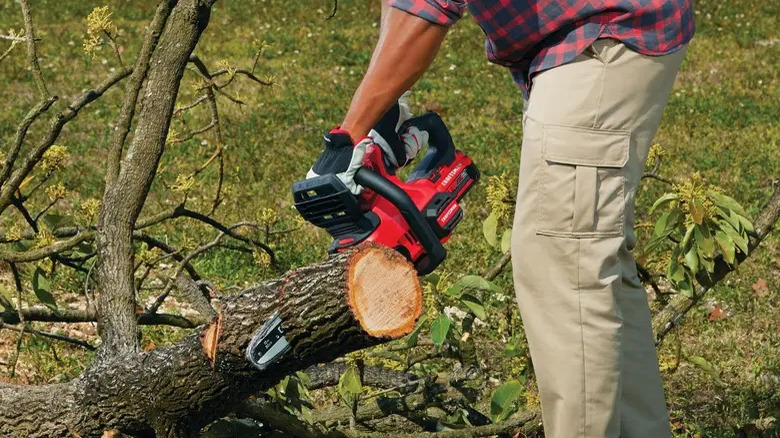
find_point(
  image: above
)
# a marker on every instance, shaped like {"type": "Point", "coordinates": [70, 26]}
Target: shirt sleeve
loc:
{"type": "Point", "coordinates": [444, 12]}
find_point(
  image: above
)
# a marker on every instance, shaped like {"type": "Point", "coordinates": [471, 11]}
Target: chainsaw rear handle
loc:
{"type": "Point", "coordinates": [435, 252]}
{"type": "Point", "coordinates": [441, 149]}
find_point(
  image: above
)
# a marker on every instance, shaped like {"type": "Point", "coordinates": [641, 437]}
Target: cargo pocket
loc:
{"type": "Point", "coordinates": [582, 182]}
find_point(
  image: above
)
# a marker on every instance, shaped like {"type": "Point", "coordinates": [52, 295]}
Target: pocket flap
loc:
{"type": "Point", "coordinates": [585, 147]}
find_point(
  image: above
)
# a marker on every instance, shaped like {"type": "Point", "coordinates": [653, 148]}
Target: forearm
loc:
{"type": "Point", "coordinates": [406, 48]}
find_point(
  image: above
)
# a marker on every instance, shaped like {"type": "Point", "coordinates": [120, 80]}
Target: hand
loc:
{"type": "Point", "coordinates": [342, 158]}
{"type": "Point", "coordinates": [399, 147]}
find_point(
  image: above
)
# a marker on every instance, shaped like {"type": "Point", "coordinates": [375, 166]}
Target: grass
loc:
{"type": "Point", "coordinates": [721, 121]}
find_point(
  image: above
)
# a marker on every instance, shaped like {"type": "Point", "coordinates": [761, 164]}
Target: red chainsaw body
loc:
{"type": "Point", "coordinates": [436, 194]}
{"type": "Point", "coordinates": [413, 216]}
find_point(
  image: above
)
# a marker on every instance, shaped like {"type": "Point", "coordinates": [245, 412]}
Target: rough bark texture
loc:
{"type": "Point", "coordinates": [125, 198]}
{"type": "Point", "coordinates": [174, 391]}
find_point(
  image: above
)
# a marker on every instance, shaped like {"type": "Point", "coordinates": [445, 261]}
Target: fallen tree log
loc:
{"type": "Point", "coordinates": [354, 300]}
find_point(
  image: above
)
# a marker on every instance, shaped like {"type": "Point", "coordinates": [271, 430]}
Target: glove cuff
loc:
{"type": "Point", "coordinates": [337, 154]}
{"type": "Point", "coordinates": [337, 130]}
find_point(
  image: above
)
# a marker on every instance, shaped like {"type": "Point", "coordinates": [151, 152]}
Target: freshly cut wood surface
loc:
{"type": "Point", "coordinates": [384, 292]}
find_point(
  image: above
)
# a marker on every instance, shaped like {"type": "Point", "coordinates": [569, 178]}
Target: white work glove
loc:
{"type": "Point", "coordinates": [399, 147]}
{"type": "Point", "coordinates": [343, 159]}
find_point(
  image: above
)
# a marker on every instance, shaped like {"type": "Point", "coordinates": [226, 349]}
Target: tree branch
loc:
{"type": "Point", "coordinates": [32, 55]}
{"type": "Point", "coordinates": [54, 336]}
{"type": "Point", "coordinates": [15, 180]}
{"type": "Point", "coordinates": [44, 314]}
{"type": "Point", "coordinates": [125, 197]}
{"type": "Point", "coordinates": [21, 133]}
{"type": "Point", "coordinates": [140, 70]}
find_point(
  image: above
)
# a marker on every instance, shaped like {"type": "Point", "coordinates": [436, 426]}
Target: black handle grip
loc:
{"type": "Point", "coordinates": [435, 252]}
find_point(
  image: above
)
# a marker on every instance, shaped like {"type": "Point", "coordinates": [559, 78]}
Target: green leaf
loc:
{"type": "Point", "coordinates": [489, 228]}
{"type": "Point", "coordinates": [707, 367]}
{"type": "Point", "coordinates": [666, 198]}
{"type": "Point", "coordinates": [388, 355]}
{"type": "Point", "coordinates": [726, 246]}
{"type": "Point", "coordinates": [661, 225]}
{"type": "Point", "coordinates": [726, 202]}
{"type": "Point", "coordinates": [707, 263]}
{"type": "Point", "coordinates": [505, 399]}
{"type": "Point", "coordinates": [471, 282]}
{"type": "Point", "coordinates": [42, 288]}
{"type": "Point", "coordinates": [440, 328]}
{"type": "Point", "coordinates": [738, 238]}
{"type": "Point", "coordinates": [704, 240]}
{"type": "Point", "coordinates": [303, 378]}
{"type": "Point", "coordinates": [676, 271]}
{"type": "Point", "coordinates": [686, 287]}
{"type": "Point", "coordinates": [656, 243]}
{"type": "Point", "coordinates": [746, 223]}
{"type": "Point", "coordinates": [475, 306]}
{"type": "Point", "coordinates": [687, 239]}
{"type": "Point", "coordinates": [734, 219]}
{"type": "Point", "coordinates": [692, 259]}
{"type": "Point", "coordinates": [506, 240]}
{"type": "Point", "coordinates": [350, 385]}
{"type": "Point", "coordinates": [674, 218]}
{"type": "Point", "coordinates": [411, 340]}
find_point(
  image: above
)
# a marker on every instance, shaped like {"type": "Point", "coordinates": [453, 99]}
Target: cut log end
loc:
{"type": "Point", "coordinates": [384, 291]}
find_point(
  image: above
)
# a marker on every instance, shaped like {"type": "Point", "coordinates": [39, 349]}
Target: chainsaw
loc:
{"type": "Point", "coordinates": [413, 216]}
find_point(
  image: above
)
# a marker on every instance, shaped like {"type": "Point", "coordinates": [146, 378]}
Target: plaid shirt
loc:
{"type": "Point", "coordinates": [529, 36]}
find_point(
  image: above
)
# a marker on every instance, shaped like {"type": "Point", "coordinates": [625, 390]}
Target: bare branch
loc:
{"type": "Point", "coordinates": [658, 177]}
{"type": "Point", "coordinates": [335, 9]}
{"type": "Point", "coordinates": [527, 423]}
{"type": "Point", "coordinates": [54, 336]}
{"type": "Point", "coordinates": [36, 254]}
{"type": "Point", "coordinates": [44, 314]}
{"type": "Point", "coordinates": [499, 267]}
{"type": "Point", "coordinates": [114, 45]}
{"type": "Point", "coordinates": [239, 71]}
{"type": "Point", "coordinates": [21, 133]}
{"type": "Point", "coordinates": [190, 106]}
{"type": "Point", "coordinates": [169, 286]}
{"type": "Point", "coordinates": [17, 39]}
{"type": "Point", "coordinates": [18, 176]}
{"type": "Point", "coordinates": [32, 55]}
{"type": "Point", "coordinates": [229, 231]}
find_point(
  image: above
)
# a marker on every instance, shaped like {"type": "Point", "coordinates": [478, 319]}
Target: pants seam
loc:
{"type": "Point", "coordinates": [601, 94]}
{"type": "Point", "coordinates": [582, 343]}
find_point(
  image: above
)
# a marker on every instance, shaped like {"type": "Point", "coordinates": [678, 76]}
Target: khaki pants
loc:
{"type": "Point", "coordinates": [587, 129]}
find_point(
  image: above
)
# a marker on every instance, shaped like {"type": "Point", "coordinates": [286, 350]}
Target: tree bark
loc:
{"type": "Point", "coordinates": [354, 300]}
{"type": "Point", "coordinates": [124, 199]}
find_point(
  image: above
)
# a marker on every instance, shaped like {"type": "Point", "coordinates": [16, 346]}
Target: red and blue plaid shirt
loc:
{"type": "Point", "coordinates": [529, 36]}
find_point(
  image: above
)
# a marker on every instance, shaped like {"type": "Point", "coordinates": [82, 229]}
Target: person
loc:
{"type": "Point", "coordinates": [595, 77]}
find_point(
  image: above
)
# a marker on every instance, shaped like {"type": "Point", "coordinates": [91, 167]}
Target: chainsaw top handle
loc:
{"type": "Point", "coordinates": [434, 250]}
